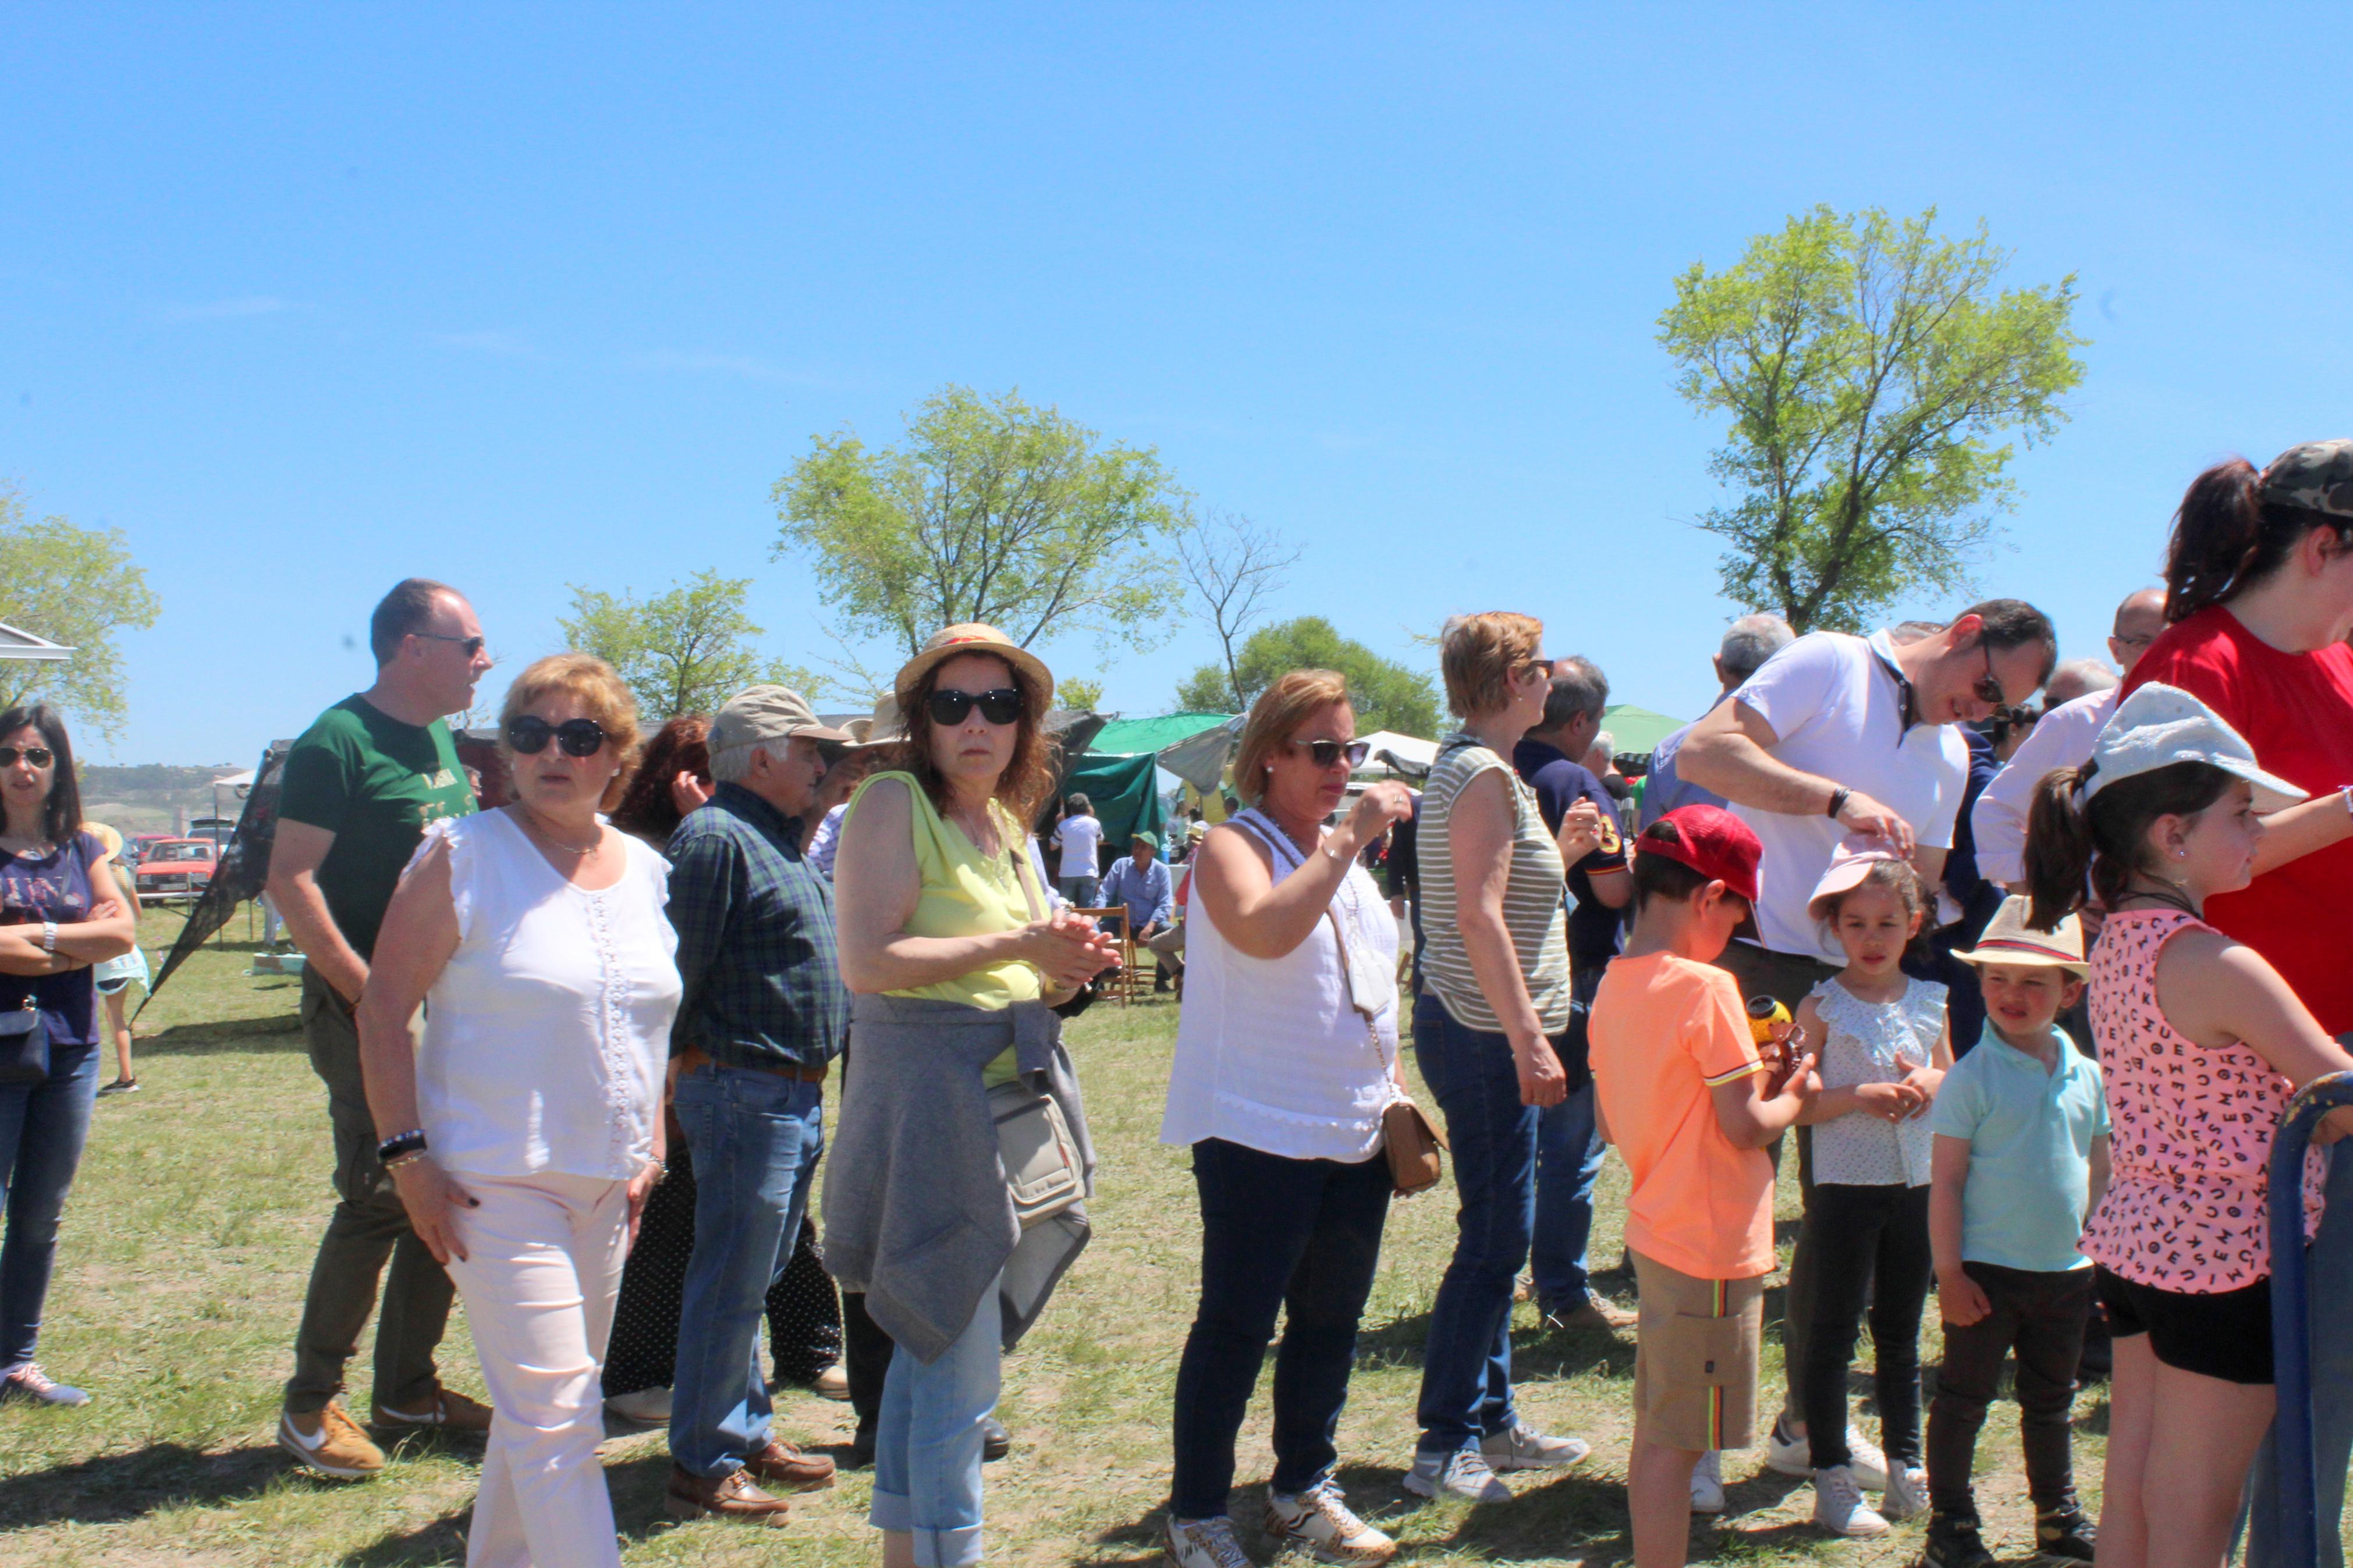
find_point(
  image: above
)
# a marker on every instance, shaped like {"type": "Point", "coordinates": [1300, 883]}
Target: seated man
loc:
{"type": "Point", "coordinates": [1143, 884]}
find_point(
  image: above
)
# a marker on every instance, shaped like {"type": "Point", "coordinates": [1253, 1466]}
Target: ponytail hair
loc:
{"type": "Point", "coordinates": [2106, 837]}
{"type": "Point", "coordinates": [2226, 537]}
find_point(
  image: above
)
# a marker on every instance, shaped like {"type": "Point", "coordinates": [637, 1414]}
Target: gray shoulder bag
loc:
{"type": "Point", "coordinates": [1042, 1174]}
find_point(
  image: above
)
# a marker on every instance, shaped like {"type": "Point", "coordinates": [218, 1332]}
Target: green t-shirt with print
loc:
{"type": "Point", "coordinates": [376, 784]}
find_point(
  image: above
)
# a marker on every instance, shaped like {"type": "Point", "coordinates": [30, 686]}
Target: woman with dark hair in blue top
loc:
{"type": "Point", "coordinates": [60, 913]}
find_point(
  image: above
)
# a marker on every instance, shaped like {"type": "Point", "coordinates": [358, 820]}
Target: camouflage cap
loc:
{"type": "Point", "coordinates": [2317, 476]}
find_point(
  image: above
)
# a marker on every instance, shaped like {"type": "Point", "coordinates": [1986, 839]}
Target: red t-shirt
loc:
{"type": "Point", "coordinates": [2297, 710]}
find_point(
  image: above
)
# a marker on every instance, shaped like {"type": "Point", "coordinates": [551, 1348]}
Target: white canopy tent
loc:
{"type": "Point", "coordinates": [22, 644]}
{"type": "Point", "coordinates": [1395, 754]}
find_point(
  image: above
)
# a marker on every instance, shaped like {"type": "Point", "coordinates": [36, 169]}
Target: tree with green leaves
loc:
{"type": "Point", "coordinates": [1079, 694]}
{"type": "Point", "coordinates": [1233, 565]}
{"type": "Point", "coordinates": [1386, 695]}
{"type": "Point", "coordinates": [77, 587]}
{"type": "Point", "coordinates": [685, 651]}
{"type": "Point", "coordinates": [1869, 368]}
{"type": "Point", "coordinates": [993, 509]}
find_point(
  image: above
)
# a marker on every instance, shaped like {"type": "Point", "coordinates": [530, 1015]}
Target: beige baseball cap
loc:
{"type": "Point", "coordinates": [763, 713]}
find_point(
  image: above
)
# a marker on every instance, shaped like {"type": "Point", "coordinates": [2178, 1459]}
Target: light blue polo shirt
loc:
{"type": "Point", "coordinates": [2030, 1134]}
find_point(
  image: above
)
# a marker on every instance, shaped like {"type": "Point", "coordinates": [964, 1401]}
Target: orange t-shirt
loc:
{"type": "Point", "coordinates": [1665, 1031]}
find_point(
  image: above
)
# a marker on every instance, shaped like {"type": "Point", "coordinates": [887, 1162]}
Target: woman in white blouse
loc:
{"type": "Point", "coordinates": [1286, 1057]}
{"type": "Point", "coordinates": [525, 1131]}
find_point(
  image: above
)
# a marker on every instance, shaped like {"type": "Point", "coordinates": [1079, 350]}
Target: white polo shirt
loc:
{"type": "Point", "coordinates": [1837, 705]}
{"type": "Point", "coordinates": [2062, 738]}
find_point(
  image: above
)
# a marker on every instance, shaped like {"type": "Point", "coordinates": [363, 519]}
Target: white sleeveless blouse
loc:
{"type": "Point", "coordinates": [1270, 1052]}
{"type": "Point", "coordinates": [548, 1034]}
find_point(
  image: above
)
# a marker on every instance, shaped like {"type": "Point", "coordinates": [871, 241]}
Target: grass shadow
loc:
{"type": "Point", "coordinates": [637, 1486]}
{"type": "Point", "coordinates": [278, 1033]}
{"type": "Point", "coordinates": [114, 1488]}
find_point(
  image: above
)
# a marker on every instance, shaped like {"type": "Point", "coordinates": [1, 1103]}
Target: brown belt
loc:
{"type": "Point", "coordinates": [696, 1057]}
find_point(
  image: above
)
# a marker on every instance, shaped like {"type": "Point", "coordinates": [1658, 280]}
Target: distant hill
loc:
{"type": "Point", "coordinates": [148, 798]}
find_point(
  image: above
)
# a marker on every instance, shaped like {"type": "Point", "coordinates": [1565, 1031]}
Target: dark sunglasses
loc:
{"type": "Point", "coordinates": [1323, 754]}
{"type": "Point", "coordinates": [39, 756]}
{"type": "Point", "coordinates": [1987, 688]}
{"type": "Point", "coordinates": [1002, 706]}
{"type": "Point", "coordinates": [578, 737]}
{"type": "Point", "coordinates": [471, 645]}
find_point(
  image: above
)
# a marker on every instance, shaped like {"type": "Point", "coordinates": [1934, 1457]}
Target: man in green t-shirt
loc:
{"type": "Point", "coordinates": [361, 787]}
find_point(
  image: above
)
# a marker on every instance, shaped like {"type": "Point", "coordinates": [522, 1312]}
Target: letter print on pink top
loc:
{"type": "Point", "coordinates": [2186, 1208]}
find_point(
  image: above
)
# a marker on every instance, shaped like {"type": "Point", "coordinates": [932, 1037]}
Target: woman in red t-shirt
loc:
{"type": "Point", "coordinates": [2259, 590]}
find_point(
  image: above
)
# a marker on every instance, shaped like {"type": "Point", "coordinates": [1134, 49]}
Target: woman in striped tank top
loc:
{"type": "Point", "coordinates": [1487, 1027]}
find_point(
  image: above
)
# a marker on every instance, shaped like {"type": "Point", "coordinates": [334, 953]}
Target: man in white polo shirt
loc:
{"type": "Point", "coordinates": [1841, 735]}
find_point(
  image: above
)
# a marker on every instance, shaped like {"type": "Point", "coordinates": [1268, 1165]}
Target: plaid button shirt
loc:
{"type": "Point", "coordinates": [755, 940]}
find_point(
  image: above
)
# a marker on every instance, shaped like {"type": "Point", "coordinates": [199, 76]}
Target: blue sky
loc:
{"type": "Point", "coordinates": [306, 299]}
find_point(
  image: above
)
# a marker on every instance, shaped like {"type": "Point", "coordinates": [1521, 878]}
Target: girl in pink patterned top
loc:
{"type": "Point", "coordinates": [2202, 1044]}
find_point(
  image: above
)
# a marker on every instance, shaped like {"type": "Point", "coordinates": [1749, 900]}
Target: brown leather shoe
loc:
{"type": "Point", "coordinates": [783, 1465]}
{"type": "Point", "coordinates": [731, 1496]}
{"type": "Point", "coordinates": [447, 1411]}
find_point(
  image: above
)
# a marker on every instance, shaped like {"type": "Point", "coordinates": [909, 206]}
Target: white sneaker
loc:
{"type": "Point", "coordinates": [1707, 1483]}
{"type": "Point", "coordinates": [1906, 1494]}
{"type": "Point", "coordinates": [1526, 1448]}
{"type": "Point", "coordinates": [1839, 1506]}
{"type": "Point", "coordinates": [646, 1407]}
{"type": "Point", "coordinates": [1319, 1519]}
{"type": "Point", "coordinates": [1794, 1456]}
{"type": "Point", "coordinates": [1203, 1544]}
{"type": "Point", "coordinates": [1464, 1473]}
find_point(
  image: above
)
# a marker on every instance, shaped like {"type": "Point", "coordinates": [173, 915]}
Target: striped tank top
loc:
{"type": "Point", "coordinates": [1532, 896]}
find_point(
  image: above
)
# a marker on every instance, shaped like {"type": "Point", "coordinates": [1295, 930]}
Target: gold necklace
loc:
{"type": "Point", "coordinates": [540, 830]}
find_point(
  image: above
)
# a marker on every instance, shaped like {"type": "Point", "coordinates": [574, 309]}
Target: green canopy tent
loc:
{"type": "Point", "coordinates": [1634, 729]}
{"type": "Point", "coordinates": [1118, 771]}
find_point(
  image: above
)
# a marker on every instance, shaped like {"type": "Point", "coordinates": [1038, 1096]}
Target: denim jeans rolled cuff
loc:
{"type": "Point", "coordinates": [756, 1139]}
{"type": "Point", "coordinates": [1299, 1237]}
{"type": "Point", "coordinates": [43, 1129]}
{"type": "Point", "coordinates": [928, 1442]}
{"type": "Point", "coordinates": [1466, 1378]}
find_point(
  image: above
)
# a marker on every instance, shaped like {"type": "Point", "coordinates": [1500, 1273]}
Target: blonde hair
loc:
{"type": "Point", "coordinates": [1280, 708]}
{"type": "Point", "coordinates": [592, 684]}
{"type": "Point", "coordinates": [1477, 654]}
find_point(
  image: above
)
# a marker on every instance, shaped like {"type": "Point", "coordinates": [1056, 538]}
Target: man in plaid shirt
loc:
{"type": "Point", "coordinates": [764, 1016]}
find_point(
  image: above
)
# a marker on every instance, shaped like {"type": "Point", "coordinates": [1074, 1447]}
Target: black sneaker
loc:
{"type": "Point", "coordinates": [995, 1442]}
{"type": "Point", "coordinates": [120, 1086]}
{"type": "Point", "coordinates": [2063, 1534]}
{"type": "Point", "coordinates": [1953, 1543]}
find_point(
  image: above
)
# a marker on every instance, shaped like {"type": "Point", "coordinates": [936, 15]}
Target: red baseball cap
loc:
{"type": "Point", "coordinates": [1712, 842]}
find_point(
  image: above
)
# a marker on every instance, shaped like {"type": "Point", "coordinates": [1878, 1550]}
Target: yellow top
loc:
{"type": "Point", "coordinates": [967, 894]}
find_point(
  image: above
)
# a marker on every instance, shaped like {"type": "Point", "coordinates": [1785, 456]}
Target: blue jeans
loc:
{"type": "Point", "coordinates": [1298, 1237]}
{"type": "Point", "coordinates": [43, 1127]}
{"type": "Point", "coordinates": [1080, 892]}
{"type": "Point", "coordinates": [1466, 1370]}
{"type": "Point", "coordinates": [928, 1443]}
{"type": "Point", "coordinates": [2329, 1282]}
{"type": "Point", "coordinates": [755, 1140]}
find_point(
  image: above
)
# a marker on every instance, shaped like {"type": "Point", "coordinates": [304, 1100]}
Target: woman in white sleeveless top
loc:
{"type": "Point", "coordinates": [1286, 1057]}
{"type": "Point", "coordinates": [526, 1132]}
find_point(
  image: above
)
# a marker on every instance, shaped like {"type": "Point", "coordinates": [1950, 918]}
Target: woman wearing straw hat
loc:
{"type": "Point", "coordinates": [954, 961]}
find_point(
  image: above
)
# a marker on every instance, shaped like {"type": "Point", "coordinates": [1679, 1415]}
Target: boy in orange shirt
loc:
{"type": "Point", "coordinates": [1690, 1104]}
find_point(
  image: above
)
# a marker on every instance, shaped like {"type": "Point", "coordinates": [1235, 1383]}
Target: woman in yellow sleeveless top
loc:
{"type": "Point", "coordinates": [953, 959]}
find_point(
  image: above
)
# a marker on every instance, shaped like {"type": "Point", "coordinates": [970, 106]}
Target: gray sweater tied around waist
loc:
{"type": "Point", "coordinates": [916, 1212]}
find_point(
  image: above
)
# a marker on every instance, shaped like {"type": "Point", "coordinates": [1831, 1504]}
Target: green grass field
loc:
{"type": "Point", "coordinates": [192, 1230]}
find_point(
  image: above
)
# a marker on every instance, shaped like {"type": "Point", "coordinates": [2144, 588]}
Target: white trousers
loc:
{"type": "Point", "coordinates": [543, 1267]}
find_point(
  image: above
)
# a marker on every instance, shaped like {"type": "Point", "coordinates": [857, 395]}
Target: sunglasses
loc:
{"type": "Point", "coordinates": [1988, 689]}
{"type": "Point", "coordinates": [579, 737]}
{"type": "Point", "coordinates": [471, 645]}
{"type": "Point", "coordinates": [1323, 754]}
{"type": "Point", "coordinates": [39, 756]}
{"type": "Point", "coordinates": [1002, 706]}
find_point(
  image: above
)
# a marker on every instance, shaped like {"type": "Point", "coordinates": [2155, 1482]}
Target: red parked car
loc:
{"type": "Point", "coordinates": [176, 869]}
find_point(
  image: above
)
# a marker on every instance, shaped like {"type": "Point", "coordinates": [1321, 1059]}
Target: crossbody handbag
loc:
{"type": "Point", "coordinates": [24, 1045]}
{"type": "Point", "coordinates": [1411, 1142]}
{"type": "Point", "coordinates": [1042, 1172]}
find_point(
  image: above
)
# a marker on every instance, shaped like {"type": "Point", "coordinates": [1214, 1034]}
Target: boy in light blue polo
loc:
{"type": "Point", "coordinates": [2020, 1157]}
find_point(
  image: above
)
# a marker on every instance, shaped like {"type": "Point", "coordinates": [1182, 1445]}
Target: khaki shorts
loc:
{"type": "Point", "coordinates": [1696, 1359]}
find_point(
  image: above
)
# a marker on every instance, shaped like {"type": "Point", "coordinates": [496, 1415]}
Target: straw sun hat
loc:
{"type": "Point", "coordinates": [970, 637]}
